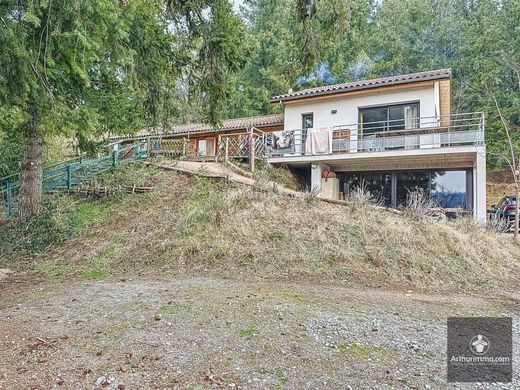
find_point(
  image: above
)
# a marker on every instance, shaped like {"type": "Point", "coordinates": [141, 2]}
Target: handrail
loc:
{"type": "Point", "coordinates": [68, 173]}
{"type": "Point", "coordinates": [474, 120]}
{"type": "Point", "coordinates": [461, 129]}
{"type": "Point", "coordinates": [436, 118]}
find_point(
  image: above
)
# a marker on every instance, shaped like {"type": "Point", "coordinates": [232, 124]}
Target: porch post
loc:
{"type": "Point", "coordinates": [226, 149]}
{"type": "Point", "coordinates": [479, 185]}
{"type": "Point", "coordinates": [251, 150]}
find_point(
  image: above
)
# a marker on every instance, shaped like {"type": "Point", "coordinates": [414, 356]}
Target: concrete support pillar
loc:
{"type": "Point", "coordinates": [479, 185]}
{"type": "Point", "coordinates": [316, 170]}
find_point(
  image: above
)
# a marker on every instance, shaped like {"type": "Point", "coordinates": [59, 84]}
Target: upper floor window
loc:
{"type": "Point", "coordinates": [390, 117]}
{"type": "Point", "coordinates": [307, 121]}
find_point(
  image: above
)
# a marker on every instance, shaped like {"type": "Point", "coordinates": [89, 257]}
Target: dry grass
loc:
{"type": "Point", "coordinates": [206, 226]}
{"type": "Point", "coordinates": [499, 184]}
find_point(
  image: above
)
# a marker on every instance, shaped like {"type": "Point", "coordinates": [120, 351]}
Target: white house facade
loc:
{"type": "Point", "coordinates": [394, 136]}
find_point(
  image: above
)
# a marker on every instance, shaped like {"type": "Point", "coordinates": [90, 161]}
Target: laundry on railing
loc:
{"type": "Point", "coordinates": [283, 139]}
{"type": "Point", "coordinates": [319, 141]}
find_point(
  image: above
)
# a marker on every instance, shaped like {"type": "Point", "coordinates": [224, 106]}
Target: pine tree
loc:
{"type": "Point", "coordinates": [85, 68]}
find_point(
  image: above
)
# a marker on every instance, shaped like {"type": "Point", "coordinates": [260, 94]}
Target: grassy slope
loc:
{"type": "Point", "coordinates": [203, 226]}
{"type": "Point", "coordinates": [499, 184]}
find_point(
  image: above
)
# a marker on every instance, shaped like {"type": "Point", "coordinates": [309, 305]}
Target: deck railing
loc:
{"type": "Point", "coordinates": [66, 174]}
{"type": "Point", "coordinates": [399, 134]}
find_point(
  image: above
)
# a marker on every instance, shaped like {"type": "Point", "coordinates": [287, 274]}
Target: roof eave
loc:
{"type": "Point", "coordinates": [284, 98]}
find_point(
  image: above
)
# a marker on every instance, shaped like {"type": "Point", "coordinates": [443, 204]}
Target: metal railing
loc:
{"type": "Point", "coordinates": [66, 174]}
{"type": "Point", "coordinates": [399, 134]}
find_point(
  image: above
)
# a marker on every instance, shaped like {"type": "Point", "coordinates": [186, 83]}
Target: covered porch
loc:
{"type": "Point", "coordinates": [453, 178]}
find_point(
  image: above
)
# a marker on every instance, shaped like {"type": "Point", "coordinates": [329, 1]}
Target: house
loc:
{"type": "Point", "coordinates": [392, 136]}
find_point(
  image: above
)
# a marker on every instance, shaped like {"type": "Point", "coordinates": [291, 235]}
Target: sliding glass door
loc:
{"type": "Point", "coordinates": [448, 189]}
{"type": "Point", "coordinates": [388, 118]}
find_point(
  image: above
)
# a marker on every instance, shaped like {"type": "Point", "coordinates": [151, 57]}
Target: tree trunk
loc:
{"type": "Point", "coordinates": [31, 174]}
{"type": "Point", "coordinates": [516, 213]}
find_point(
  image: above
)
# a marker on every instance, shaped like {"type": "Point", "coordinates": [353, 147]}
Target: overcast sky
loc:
{"type": "Point", "coordinates": [236, 4]}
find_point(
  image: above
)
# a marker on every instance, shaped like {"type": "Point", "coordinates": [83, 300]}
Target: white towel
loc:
{"type": "Point", "coordinates": [319, 141]}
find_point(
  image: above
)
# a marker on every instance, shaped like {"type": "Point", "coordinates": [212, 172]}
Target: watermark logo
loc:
{"type": "Point", "coordinates": [480, 349]}
{"type": "Point", "coordinates": [479, 345]}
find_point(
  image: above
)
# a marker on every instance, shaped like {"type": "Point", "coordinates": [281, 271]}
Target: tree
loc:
{"type": "Point", "coordinates": [290, 39]}
{"type": "Point", "coordinates": [86, 68]}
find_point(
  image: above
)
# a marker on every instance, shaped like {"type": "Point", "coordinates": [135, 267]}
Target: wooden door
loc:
{"type": "Point", "coordinates": [210, 146]}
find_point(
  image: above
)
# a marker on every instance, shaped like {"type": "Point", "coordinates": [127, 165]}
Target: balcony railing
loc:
{"type": "Point", "coordinates": [399, 134]}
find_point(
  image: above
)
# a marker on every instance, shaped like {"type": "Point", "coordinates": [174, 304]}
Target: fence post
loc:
{"type": "Point", "coordinates": [115, 154]}
{"type": "Point", "coordinates": [9, 200]}
{"type": "Point", "coordinates": [251, 151]}
{"type": "Point", "coordinates": [183, 147]}
{"type": "Point", "coordinates": [69, 177]}
{"type": "Point", "coordinates": [148, 147]}
{"type": "Point", "coordinates": [217, 147]}
{"type": "Point", "coordinates": [226, 150]}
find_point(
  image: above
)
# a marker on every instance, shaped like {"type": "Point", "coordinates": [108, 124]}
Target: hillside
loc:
{"type": "Point", "coordinates": [499, 184]}
{"type": "Point", "coordinates": [191, 225]}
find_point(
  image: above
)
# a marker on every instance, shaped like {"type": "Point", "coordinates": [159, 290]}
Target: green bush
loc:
{"type": "Point", "coordinates": [63, 217]}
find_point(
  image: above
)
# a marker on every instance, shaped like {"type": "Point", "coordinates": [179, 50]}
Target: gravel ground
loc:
{"type": "Point", "coordinates": [217, 333]}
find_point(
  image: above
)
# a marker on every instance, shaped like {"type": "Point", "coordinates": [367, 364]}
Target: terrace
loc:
{"type": "Point", "coordinates": [407, 135]}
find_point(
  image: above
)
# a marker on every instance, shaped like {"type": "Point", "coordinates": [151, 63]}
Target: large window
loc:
{"type": "Point", "coordinates": [387, 118]}
{"type": "Point", "coordinates": [378, 184]}
{"type": "Point", "coordinates": [411, 181]}
{"type": "Point", "coordinates": [448, 189]}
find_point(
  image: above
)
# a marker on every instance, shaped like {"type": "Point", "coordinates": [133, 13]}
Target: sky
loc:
{"type": "Point", "coordinates": [236, 4]}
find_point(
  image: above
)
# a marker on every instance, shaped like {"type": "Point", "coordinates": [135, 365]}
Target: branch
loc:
{"type": "Point", "coordinates": [515, 68]}
{"type": "Point", "coordinates": [513, 163]}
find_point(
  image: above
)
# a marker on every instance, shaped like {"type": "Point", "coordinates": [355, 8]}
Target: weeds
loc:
{"type": "Point", "coordinates": [419, 204]}
{"type": "Point", "coordinates": [192, 225]}
{"type": "Point", "coordinates": [96, 269]}
{"type": "Point", "coordinates": [361, 196]}
{"type": "Point", "coordinates": [248, 332]}
{"type": "Point", "coordinates": [280, 175]}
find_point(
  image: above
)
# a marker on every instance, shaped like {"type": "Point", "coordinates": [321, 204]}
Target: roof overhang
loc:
{"type": "Point", "coordinates": [413, 80]}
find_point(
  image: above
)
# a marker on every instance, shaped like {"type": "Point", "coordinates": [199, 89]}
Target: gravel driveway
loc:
{"type": "Point", "coordinates": [217, 333]}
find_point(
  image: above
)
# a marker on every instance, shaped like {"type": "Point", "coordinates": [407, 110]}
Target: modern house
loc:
{"type": "Point", "coordinates": [392, 135]}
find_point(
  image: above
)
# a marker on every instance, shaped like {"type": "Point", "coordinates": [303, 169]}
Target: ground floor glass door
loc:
{"type": "Point", "coordinates": [450, 189]}
{"type": "Point", "coordinates": [201, 147]}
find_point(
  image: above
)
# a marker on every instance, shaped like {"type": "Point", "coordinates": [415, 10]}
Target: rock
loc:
{"type": "Point", "coordinates": [121, 387]}
{"type": "Point", "coordinates": [102, 380]}
{"type": "Point", "coordinates": [158, 317]}
{"type": "Point", "coordinates": [5, 272]}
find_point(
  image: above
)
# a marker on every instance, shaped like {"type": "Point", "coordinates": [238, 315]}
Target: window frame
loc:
{"type": "Point", "coordinates": [385, 106]}
{"type": "Point", "coordinates": [304, 115]}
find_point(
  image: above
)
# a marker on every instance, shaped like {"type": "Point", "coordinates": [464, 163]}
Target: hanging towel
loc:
{"type": "Point", "coordinates": [319, 141]}
{"type": "Point", "coordinates": [283, 139]}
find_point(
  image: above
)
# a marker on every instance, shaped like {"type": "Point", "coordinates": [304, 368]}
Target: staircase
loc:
{"type": "Point", "coordinates": [64, 175]}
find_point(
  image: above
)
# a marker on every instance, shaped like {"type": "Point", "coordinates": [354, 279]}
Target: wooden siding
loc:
{"type": "Point", "coordinates": [445, 101]}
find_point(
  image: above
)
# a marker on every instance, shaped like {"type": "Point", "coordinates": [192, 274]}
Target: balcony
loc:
{"type": "Point", "coordinates": [456, 130]}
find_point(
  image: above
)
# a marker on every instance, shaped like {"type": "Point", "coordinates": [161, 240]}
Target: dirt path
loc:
{"type": "Point", "coordinates": [218, 333]}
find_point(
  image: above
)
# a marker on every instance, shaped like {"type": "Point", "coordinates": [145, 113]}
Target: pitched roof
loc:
{"type": "Point", "coordinates": [228, 124]}
{"type": "Point", "coordinates": [365, 84]}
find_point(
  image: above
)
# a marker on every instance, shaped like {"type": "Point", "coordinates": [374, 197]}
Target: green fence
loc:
{"type": "Point", "coordinates": [66, 174]}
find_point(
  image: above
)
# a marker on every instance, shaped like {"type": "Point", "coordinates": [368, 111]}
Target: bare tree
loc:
{"type": "Point", "coordinates": [513, 157]}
